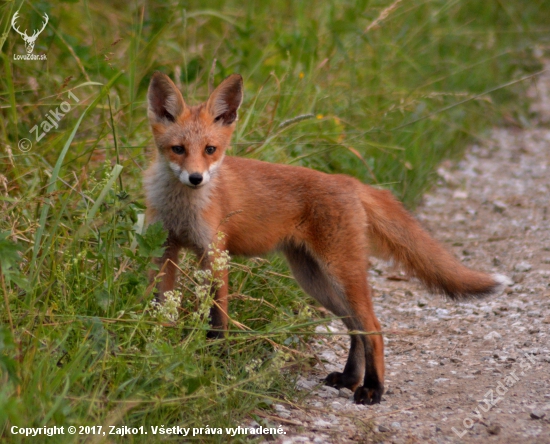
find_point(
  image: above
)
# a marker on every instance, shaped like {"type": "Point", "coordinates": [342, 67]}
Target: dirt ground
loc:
{"type": "Point", "coordinates": [477, 371]}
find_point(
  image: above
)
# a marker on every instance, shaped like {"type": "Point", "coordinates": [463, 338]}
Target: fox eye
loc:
{"type": "Point", "coordinates": [178, 149]}
{"type": "Point", "coordinates": [210, 149]}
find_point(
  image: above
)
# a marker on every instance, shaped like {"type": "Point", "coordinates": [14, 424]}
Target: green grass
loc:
{"type": "Point", "coordinates": [348, 86]}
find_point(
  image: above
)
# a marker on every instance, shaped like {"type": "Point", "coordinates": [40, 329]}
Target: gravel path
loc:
{"type": "Point", "coordinates": [477, 371]}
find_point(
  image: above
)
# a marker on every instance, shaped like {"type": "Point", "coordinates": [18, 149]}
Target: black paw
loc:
{"type": "Point", "coordinates": [341, 380]}
{"type": "Point", "coordinates": [368, 396]}
{"type": "Point", "coordinates": [215, 334]}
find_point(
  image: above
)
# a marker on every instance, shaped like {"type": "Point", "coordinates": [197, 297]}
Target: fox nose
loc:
{"type": "Point", "coordinates": [195, 178]}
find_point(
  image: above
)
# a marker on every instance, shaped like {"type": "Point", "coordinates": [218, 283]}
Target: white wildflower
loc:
{"type": "Point", "coordinates": [167, 310]}
{"type": "Point", "coordinates": [252, 366]}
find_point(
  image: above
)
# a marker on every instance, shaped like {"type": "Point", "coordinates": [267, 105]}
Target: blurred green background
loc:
{"type": "Point", "coordinates": [382, 90]}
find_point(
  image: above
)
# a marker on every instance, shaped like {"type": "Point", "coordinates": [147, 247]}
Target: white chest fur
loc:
{"type": "Point", "coordinates": [178, 206]}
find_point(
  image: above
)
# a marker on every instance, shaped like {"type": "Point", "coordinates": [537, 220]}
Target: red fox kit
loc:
{"type": "Point", "coordinates": [325, 225]}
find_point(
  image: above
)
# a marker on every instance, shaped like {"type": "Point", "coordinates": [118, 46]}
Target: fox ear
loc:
{"type": "Point", "coordinates": [165, 100]}
{"type": "Point", "coordinates": [226, 99]}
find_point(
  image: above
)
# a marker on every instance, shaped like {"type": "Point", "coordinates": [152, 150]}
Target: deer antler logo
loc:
{"type": "Point", "coordinates": [29, 40]}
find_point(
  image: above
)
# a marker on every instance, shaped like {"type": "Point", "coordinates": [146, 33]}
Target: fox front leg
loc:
{"type": "Point", "coordinates": [216, 278]}
{"type": "Point", "coordinates": [168, 269]}
{"type": "Point", "coordinates": [218, 312]}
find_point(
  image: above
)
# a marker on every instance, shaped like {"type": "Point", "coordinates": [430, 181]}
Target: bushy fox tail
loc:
{"type": "Point", "coordinates": [394, 233]}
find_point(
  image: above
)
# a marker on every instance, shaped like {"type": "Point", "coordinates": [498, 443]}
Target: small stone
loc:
{"type": "Point", "coordinates": [344, 393]}
{"type": "Point", "coordinates": [280, 408]}
{"type": "Point", "coordinates": [447, 176]}
{"type": "Point", "coordinates": [518, 278]}
{"type": "Point", "coordinates": [546, 260]}
{"type": "Point", "coordinates": [395, 425]}
{"type": "Point", "coordinates": [431, 391]}
{"type": "Point", "coordinates": [383, 429]}
{"type": "Point", "coordinates": [537, 414]}
{"type": "Point", "coordinates": [458, 194]}
{"type": "Point", "coordinates": [305, 384]}
{"type": "Point", "coordinates": [328, 392]}
{"type": "Point", "coordinates": [492, 335]}
{"type": "Point", "coordinates": [282, 411]}
{"type": "Point", "coordinates": [322, 423]}
{"type": "Point", "coordinates": [476, 372]}
{"type": "Point", "coordinates": [522, 267]}
{"type": "Point", "coordinates": [441, 312]}
{"type": "Point", "coordinates": [499, 206]}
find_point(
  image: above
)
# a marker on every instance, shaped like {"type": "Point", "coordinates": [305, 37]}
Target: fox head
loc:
{"type": "Point", "coordinates": [192, 139]}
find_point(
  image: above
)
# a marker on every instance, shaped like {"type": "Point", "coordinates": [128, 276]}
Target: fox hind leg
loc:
{"type": "Point", "coordinates": [357, 294]}
{"type": "Point", "coordinates": [373, 383]}
{"type": "Point", "coordinates": [365, 353]}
